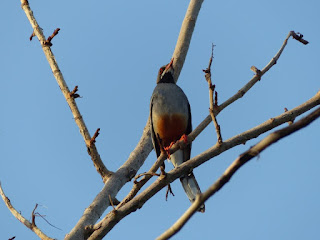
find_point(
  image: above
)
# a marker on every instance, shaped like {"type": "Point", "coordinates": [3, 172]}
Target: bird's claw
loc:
{"type": "Point", "coordinates": [184, 138]}
{"type": "Point", "coordinates": [167, 149]}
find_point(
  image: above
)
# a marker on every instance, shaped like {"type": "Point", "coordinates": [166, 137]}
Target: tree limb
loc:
{"type": "Point", "coordinates": [112, 219]}
{"type": "Point", "coordinates": [32, 226]}
{"type": "Point", "coordinates": [184, 39]}
{"type": "Point", "coordinates": [253, 80]}
{"type": "Point", "coordinates": [239, 162]}
{"type": "Point", "coordinates": [213, 103]}
{"type": "Point", "coordinates": [92, 150]}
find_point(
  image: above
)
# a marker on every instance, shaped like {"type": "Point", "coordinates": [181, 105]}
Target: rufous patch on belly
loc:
{"type": "Point", "coordinates": [171, 127]}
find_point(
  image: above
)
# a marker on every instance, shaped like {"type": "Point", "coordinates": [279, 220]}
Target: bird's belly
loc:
{"type": "Point", "coordinates": [171, 127]}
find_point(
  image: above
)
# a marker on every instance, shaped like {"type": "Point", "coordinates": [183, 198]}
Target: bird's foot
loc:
{"type": "Point", "coordinates": [167, 149]}
{"type": "Point", "coordinates": [184, 138]}
{"type": "Point", "coordinates": [169, 190]}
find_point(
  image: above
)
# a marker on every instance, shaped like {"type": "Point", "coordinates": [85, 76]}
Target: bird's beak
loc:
{"type": "Point", "coordinates": [167, 68]}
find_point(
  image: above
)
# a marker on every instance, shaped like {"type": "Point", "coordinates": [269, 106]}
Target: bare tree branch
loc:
{"type": "Point", "coordinates": [103, 227]}
{"type": "Point", "coordinates": [239, 162]}
{"type": "Point", "coordinates": [32, 226]}
{"type": "Point", "coordinates": [123, 175]}
{"type": "Point", "coordinates": [92, 150]}
{"type": "Point", "coordinates": [212, 102]}
{"type": "Point", "coordinates": [184, 39]}
{"type": "Point", "coordinates": [252, 81]}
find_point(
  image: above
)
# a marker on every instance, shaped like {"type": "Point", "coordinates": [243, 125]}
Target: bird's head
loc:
{"type": "Point", "coordinates": [165, 74]}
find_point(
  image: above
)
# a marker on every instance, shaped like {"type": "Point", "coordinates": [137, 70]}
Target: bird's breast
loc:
{"type": "Point", "coordinates": [170, 128]}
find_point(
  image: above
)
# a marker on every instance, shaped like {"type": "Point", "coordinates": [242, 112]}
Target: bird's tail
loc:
{"type": "Point", "coordinates": [191, 187]}
{"type": "Point", "coordinates": [189, 182]}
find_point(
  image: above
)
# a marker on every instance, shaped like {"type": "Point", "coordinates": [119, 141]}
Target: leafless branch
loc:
{"type": "Point", "coordinates": [111, 220]}
{"type": "Point", "coordinates": [55, 33]}
{"type": "Point", "coordinates": [212, 102]}
{"type": "Point", "coordinates": [245, 88]}
{"type": "Point", "coordinates": [184, 39]}
{"type": "Point", "coordinates": [32, 226]}
{"type": "Point", "coordinates": [239, 162]}
{"type": "Point", "coordinates": [99, 165]}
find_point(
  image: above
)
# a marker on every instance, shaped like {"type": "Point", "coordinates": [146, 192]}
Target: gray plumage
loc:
{"type": "Point", "coordinates": [171, 118]}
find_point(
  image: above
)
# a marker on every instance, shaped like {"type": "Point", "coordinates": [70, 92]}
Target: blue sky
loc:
{"type": "Point", "coordinates": [112, 50]}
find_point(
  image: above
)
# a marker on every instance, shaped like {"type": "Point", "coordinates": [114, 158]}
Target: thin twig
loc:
{"type": "Point", "coordinates": [111, 202]}
{"type": "Point", "coordinates": [33, 216]}
{"type": "Point", "coordinates": [95, 135]}
{"type": "Point", "coordinates": [73, 93]}
{"type": "Point", "coordinates": [138, 185]}
{"type": "Point", "coordinates": [298, 36]}
{"type": "Point", "coordinates": [212, 103]}
{"type": "Point", "coordinates": [152, 174]}
{"type": "Point", "coordinates": [24, 221]}
{"type": "Point", "coordinates": [99, 165]}
{"type": "Point", "coordinates": [43, 217]}
{"type": "Point", "coordinates": [239, 162]}
{"type": "Point", "coordinates": [55, 33]}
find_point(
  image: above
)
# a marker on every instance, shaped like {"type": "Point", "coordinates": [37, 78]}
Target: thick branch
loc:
{"type": "Point", "coordinates": [32, 226]}
{"type": "Point", "coordinates": [113, 185]}
{"type": "Point", "coordinates": [93, 152]}
{"type": "Point", "coordinates": [112, 219]}
{"type": "Point", "coordinates": [184, 39]}
{"type": "Point", "coordinates": [239, 162]}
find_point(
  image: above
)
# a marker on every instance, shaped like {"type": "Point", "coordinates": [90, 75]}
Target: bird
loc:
{"type": "Point", "coordinates": [170, 120]}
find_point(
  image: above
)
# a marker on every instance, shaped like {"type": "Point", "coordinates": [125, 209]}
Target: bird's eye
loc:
{"type": "Point", "coordinates": [161, 70]}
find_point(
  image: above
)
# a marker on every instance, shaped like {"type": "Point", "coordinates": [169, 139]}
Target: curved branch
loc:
{"type": "Point", "coordinates": [45, 44]}
{"type": "Point", "coordinates": [239, 162]}
{"type": "Point", "coordinates": [113, 218]}
{"type": "Point", "coordinates": [32, 226]}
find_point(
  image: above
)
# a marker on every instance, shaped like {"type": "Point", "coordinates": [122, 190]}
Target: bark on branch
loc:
{"type": "Point", "coordinates": [92, 150]}
{"type": "Point", "coordinates": [112, 219]}
{"type": "Point", "coordinates": [236, 165]}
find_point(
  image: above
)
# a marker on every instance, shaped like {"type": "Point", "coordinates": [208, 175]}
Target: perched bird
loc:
{"type": "Point", "coordinates": [170, 119]}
